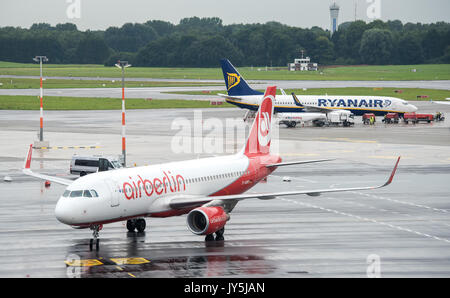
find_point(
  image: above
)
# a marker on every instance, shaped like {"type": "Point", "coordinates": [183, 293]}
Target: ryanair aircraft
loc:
{"type": "Point", "coordinates": [240, 94]}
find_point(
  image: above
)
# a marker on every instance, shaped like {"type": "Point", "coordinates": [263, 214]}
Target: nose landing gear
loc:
{"type": "Point", "coordinates": [95, 234]}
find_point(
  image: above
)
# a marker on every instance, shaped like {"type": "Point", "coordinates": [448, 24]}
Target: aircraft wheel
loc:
{"type": "Point", "coordinates": [220, 232]}
{"type": "Point", "coordinates": [131, 225]}
{"type": "Point", "coordinates": [209, 237]}
{"type": "Point", "coordinates": [140, 225]}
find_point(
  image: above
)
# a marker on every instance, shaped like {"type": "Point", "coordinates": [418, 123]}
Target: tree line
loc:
{"type": "Point", "coordinates": [201, 42]}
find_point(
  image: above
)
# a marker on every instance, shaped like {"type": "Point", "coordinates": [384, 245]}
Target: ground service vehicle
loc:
{"type": "Point", "coordinates": [425, 117]}
{"type": "Point", "coordinates": [84, 165]}
{"type": "Point", "coordinates": [366, 118]}
{"type": "Point", "coordinates": [415, 118]}
{"type": "Point", "coordinates": [391, 118]}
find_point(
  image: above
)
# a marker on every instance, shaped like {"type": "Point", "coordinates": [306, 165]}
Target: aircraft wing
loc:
{"type": "Point", "coordinates": [27, 171]}
{"type": "Point", "coordinates": [309, 108]}
{"type": "Point", "coordinates": [288, 163]}
{"type": "Point", "coordinates": [229, 97]}
{"type": "Point", "coordinates": [181, 203]}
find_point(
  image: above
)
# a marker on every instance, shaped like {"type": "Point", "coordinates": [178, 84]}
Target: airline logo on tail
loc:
{"type": "Point", "coordinates": [264, 129]}
{"type": "Point", "coordinates": [258, 142]}
{"type": "Point", "coordinates": [235, 83]}
{"type": "Point", "coordinates": [233, 80]}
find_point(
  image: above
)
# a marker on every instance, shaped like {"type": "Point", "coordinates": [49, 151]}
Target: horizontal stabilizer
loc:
{"type": "Point", "coordinates": [27, 171]}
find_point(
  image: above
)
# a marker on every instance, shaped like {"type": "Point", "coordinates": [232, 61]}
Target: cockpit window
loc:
{"type": "Point", "coordinates": [405, 103]}
{"type": "Point", "coordinates": [94, 193]}
{"type": "Point", "coordinates": [76, 193]}
{"type": "Point", "coordinates": [66, 193]}
{"type": "Point", "coordinates": [87, 194]}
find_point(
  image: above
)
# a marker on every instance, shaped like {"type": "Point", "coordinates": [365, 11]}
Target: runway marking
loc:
{"type": "Point", "coordinates": [300, 154]}
{"type": "Point", "coordinates": [367, 220]}
{"type": "Point", "coordinates": [131, 275]}
{"type": "Point", "coordinates": [84, 263]}
{"type": "Point", "coordinates": [130, 261]}
{"type": "Point", "coordinates": [388, 157]}
{"type": "Point", "coordinates": [67, 147]}
{"type": "Point", "coordinates": [400, 202]}
{"type": "Point", "coordinates": [437, 223]}
{"type": "Point", "coordinates": [347, 140]}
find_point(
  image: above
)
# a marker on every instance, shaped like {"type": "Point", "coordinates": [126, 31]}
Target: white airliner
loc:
{"type": "Point", "coordinates": [240, 94]}
{"type": "Point", "coordinates": [205, 189]}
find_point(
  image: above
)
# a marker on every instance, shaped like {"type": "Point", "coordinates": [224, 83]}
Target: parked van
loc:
{"type": "Point", "coordinates": [83, 165]}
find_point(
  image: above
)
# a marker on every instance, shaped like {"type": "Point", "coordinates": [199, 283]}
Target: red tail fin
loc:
{"type": "Point", "coordinates": [258, 141]}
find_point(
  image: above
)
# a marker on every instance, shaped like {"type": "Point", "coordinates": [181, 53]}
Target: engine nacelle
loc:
{"type": "Point", "coordinates": [206, 220]}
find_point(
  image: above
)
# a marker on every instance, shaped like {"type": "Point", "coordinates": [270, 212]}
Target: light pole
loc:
{"type": "Point", "coordinates": [123, 65]}
{"type": "Point", "coordinates": [41, 59]}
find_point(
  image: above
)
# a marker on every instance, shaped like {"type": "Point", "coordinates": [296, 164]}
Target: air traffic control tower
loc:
{"type": "Point", "coordinates": [334, 13]}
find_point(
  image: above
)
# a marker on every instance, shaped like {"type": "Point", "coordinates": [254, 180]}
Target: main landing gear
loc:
{"type": "Point", "coordinates": [219, 235]}
{"type": "Point", "coordinates": [136, 224]}
{"type": "Point", "coordinates": [95, 231]}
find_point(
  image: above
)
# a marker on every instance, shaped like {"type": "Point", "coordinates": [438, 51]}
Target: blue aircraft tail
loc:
{"type": "Point", "coordinates": [236, 85]}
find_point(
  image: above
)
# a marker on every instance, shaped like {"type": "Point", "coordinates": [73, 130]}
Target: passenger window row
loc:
{"type": "Point", "coordinates": [215, 177]}
{"type": "Point", "coordinates": [80, 193]}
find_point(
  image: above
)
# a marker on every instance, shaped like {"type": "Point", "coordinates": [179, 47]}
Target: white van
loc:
{"type": "Point", "coordinates": [83, 165]}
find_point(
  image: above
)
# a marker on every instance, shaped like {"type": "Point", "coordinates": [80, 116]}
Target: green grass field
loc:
{"type": "Point", "coordinates": [12, 102]}
{"type": "Point", "coordinates": [19, 83]}
{"type": "Point", "coordinates": [358, 73]}
{"type": "Point", "coordinates": [407, 93]}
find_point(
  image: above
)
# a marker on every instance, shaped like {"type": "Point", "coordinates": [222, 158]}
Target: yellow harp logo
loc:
{"type": "Point", "coordinates": [233, 80]}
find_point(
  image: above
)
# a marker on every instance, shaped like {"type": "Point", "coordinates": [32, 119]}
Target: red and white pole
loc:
{"type": "Point", "coordinates": [41, 113]}
{"type": "Point", "coordinates": [122, 65]}
{"type": "Point", "coordinates": [41, 59]}
{"type": "Point", "coordinates": [123, 120]}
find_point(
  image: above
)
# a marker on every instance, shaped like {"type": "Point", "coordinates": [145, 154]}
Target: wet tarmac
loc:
{"type": "Point", "coordinates": [398, 231]}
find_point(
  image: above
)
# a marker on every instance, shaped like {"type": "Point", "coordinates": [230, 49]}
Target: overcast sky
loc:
{"type": "Point", "coordinates": [101, 14]}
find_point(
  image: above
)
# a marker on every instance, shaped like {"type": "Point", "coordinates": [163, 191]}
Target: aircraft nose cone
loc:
{"type": "Point", "coordinates": [62, 212]}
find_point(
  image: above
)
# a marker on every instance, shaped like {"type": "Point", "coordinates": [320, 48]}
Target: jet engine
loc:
{"type": "Point", "coordinates": [206, 220]}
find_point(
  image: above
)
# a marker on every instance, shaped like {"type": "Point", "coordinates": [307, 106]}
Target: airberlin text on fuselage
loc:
{"type": "Point", "coordinates": [139, 186]}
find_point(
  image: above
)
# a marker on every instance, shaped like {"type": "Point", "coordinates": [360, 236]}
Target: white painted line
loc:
{"type": "Point", "coordinates": [366, 219]}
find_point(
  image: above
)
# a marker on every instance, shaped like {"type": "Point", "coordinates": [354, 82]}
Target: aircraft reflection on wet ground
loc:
{"type": "Point", "coordinates": [139, 259]}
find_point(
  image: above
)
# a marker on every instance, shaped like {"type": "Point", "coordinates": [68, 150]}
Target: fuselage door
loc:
{"type": "Point", "coordinates": [114, 188]}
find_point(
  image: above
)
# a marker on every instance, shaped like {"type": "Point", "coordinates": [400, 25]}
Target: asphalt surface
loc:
{"type": "Point", "coordinates": [398, 231]}
{"type": "Point", "coordinates": [167, 92]}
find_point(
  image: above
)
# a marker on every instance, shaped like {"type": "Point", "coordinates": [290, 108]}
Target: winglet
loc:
{"type": "Point", "coordinates": [27, 162]}
{"type": "Point", "coordinates": [392, 174]}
